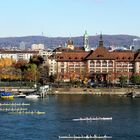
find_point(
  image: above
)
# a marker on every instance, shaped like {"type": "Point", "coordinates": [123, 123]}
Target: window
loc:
{"type": "Point", "coordinates": [131, 70]}
{"type": "Point", "coordinates": [62, 64]}
{"type": "Point", "coordinates": [98, 70]}
{"type": "Point", "coordinates": [92, 64]}
{"type": "Point", "coordinates": [62, 70]}
{"type": "Point", "coordinates": [125, 64]}
{"type": "Point", "coordinates": [119, 64]}
{"type": "Point", "coordinates": [104, 64]}
{"type": "Point", "coordinates": [98, 64]}
{"type": "Point", "coordinates": [130, 64]}
{"type": "Point", "coordinates": [77, 65]}
{"type": "Point", "coordinates": [104, 70]}
{"type": "Point", "coordinates": [110, 64]}
{"type": "Point", "coordinates": [92, 70]}
{"type": "Point", "coordinates": [119, 70]}
{"type": "Point", "coordinates": [110, 70]}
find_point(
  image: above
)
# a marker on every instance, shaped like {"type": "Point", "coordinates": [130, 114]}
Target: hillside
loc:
{"type": "Point", "coordinates": [55, 41]}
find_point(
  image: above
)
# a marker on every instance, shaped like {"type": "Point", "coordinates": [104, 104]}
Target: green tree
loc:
{"type": "Point", "coordinates": [123, 80]}
{"type": "Point", "coordinates": [30, 72]}
{"type": "Point", "coordinates": [43, 74]}
{"type": "Point", "coordinates": [36, 59]}
{"type": "Point", "coordinates": [135, 79]}
{"type": "Point", "coordinates": [52, 78]}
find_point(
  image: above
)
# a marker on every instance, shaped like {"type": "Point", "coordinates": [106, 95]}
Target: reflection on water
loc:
{"type": "Point", "coordinates": [61, 109]}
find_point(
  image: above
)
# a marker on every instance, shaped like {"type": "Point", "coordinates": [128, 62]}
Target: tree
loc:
{"type": "Point", "coordinates": [20, 64]}
{"type": "Point", "coordinates": [135, 79]}
{"type": "Point", "coordinates": [30, 72]}
{"type": "Point", "coordinates": [43, 74]}
{"type": "Point", "coordinates": [123, 80]}
{"type": "Point", "coordinates": [6, 62]}
{"type": "Point", "coordinates": [52, 78]}
{"type": "Point", "coordinates": [36, 59]}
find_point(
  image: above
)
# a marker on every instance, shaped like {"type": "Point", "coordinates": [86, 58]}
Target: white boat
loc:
{"type": "Point", "coordinates": [14, 104]}
{"type": "Point", "coordinates": [85, 137]}
{"type": "Point", "coordinates": [27, 112]}
{"type": "Point", "coordinates": [13, 109]}
{"type": "Point", "coordinates": [21, 96]}
{"type": "Point", "coordinates": [32, 96]}
{"type": "Point", "coordinates": [92, 119]}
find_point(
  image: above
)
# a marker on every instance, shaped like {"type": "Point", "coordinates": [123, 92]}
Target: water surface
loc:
{"type": "Point", "coordinates": [61, 109]}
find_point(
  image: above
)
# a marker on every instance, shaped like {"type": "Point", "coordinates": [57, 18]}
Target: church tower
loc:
{"type": "Point", "coordinates": [86, 42]}
{"type": "Point", "coordinates": [70, 44]}
{"type": "Point", "coordinates": [101, 43]}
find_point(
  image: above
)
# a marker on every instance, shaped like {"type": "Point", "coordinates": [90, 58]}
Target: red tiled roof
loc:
{"type": "Point", "coordinates": [137, 56]}
{"type": "Point", "coordinates": [71, 56]}
{"type": "Point", "coordinates": [100, 53]}
{"type": "Point", "coordinates": [123, 55]}
{"type": "Point", "coordinates": [63, 49]}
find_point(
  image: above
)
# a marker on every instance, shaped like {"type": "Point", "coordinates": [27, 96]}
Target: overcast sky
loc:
{"type": "Point", "coordinates": [69, 17]}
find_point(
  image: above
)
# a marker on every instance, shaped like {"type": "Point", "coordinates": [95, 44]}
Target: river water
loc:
{"type": "Point", "coordinates": [61, 109]}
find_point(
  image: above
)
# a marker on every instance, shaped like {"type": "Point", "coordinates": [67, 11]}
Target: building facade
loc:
{"type": "Point", "coordinates": [16, 55]}
{"type": "Point", "coordinates": [99, 65]}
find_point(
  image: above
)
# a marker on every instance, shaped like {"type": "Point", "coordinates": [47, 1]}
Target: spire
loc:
{"type": "Point", "coordinates": [85, 33]}
{"type": "Point", "coordinates": [86, 42]}
{"type": "Point", "coordinates": [101, 40]}
{"type": "Point", "coordinates": [70, 42]}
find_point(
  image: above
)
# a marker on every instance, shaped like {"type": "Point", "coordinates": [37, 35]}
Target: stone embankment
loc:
{"type": "Point", "coordinates": [96, 91]}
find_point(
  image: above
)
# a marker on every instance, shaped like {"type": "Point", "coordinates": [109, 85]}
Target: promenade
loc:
{"type": "Point", "coordinates": [76, 91]}
{"type": "Point", "coordinates": [94, 91]}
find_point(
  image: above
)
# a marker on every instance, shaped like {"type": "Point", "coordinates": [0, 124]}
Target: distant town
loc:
{"type": "Point", "coordinates": [68, 62]}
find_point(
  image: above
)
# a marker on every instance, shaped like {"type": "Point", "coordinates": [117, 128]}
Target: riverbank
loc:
{"type": "Point", "coordinates": [77, 90]}
{"type": "Point", "coordinates": [94, 91]}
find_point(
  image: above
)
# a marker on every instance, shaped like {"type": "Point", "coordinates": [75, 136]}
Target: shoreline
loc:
{"type": "Point", "coordinates": [78, 91]}
{"type": "Point", "coordinates": [93, 91]}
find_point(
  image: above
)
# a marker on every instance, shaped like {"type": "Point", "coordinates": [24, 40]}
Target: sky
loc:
{"type": "Point", "coordinates": [65, 18]}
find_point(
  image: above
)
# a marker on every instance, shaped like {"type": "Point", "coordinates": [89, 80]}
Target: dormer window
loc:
{"type": "Point", "coordinates": [99, 55]}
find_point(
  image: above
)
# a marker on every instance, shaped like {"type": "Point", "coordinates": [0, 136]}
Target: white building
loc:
{"type": "Point", "coordinates": [16, 55]}
{"type": "Point", "coordinates": [37, 47]}
{"type": "Point", "coordinates": [45, 53]}
{"type": "Point", "coordinates": [52, 65]}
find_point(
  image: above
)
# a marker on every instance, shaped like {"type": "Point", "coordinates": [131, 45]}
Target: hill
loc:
{"type": "Point", "coordinates": [49, 42]}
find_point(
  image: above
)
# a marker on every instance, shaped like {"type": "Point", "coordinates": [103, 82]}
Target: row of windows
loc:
{"type": "Point", "coordinates": [124, 70]}
{"type": "Point", "coordinates": [124, 65]}
{"type": "Point", "coordinates": [98, 65]}
{"type": "Point", "coordinates": [103, 70]}
{"type": "Point", "coordinates": [101, 61]}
